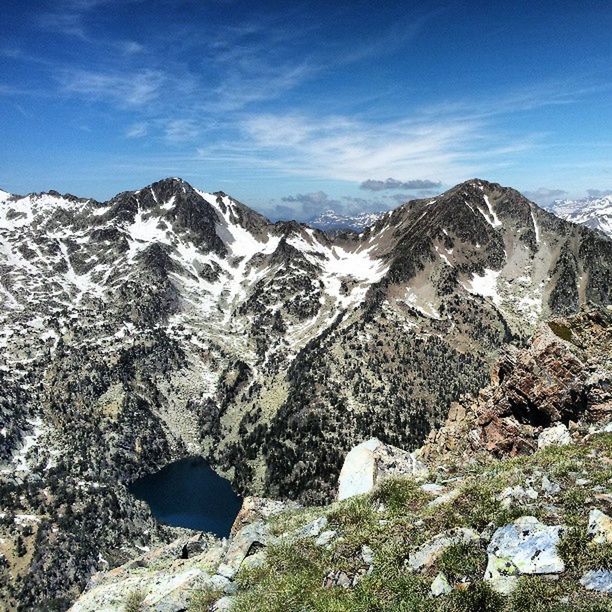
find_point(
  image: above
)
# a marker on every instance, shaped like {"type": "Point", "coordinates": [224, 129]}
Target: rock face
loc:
{"type": "Point", "coordinates": [372, 461]}
{"type": "Point", "coordinates": [563, 376]}
{"type": "Point", "coordinates": [259, 509]}
{"type": "Point", "coordinates": [523, 547]}
{"type": "Point", "coordinates": [165, 578]}
{"type": "Point", "coordinates": [248, 540]}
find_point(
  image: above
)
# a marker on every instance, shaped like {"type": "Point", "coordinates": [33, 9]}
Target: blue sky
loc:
{"type": "Point", "coordinates": [294, 107]}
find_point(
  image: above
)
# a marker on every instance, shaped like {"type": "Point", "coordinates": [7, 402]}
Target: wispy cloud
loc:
{"type": "Point", "coordinates": [346, 149]}
{"type": "Point", "coordinates": [69, 24]}
{"type": "Point", "coordinates": [598, 193]}
{"type": "Point", "coordinates": [395, 184]}
{"type": "Point", "coordinates": [137, 130]}
{"type": "Point", "coordinates": [181, 130]}
{"type": "Point", "coordinates": [120, 87]}
{"type": "Point", "coordinates": [545, 196]}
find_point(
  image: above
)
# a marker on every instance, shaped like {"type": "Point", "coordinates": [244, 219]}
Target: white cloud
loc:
{"type": "Point", "coordinates": [120, 87]}
{"type": "Point", "coordinates": [181, 130]}
{"type": "Point", "coordinates": [395, 184]}
{"type": "Point", "coordinates": [341, 148]}
{"type": "Point", "coordinates": [545, 196]}
{"type": "Point", "coordinates": [137, 130]}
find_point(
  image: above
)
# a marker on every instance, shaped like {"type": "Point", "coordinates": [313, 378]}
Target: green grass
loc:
{"type": "Point", "coordinates": [463, 562]}
{"type": "Point", "coordinates": [396, 518]}
{"type": "Point", "coordinates": [134, 601]}
{"type": "Point", "coordinates": [202, 600]}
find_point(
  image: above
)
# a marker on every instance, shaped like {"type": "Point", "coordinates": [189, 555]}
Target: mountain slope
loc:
{"type": "Point", "coordinates": [170, 321]}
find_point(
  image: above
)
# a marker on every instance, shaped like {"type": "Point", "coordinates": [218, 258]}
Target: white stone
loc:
{"type": "Point", "coordinates": [427, 554]}
{"type": "Point", "coordinates": [597, 580]}
{"type": "Point", "coordinates": [372, 461]}
{"type": "Point", "coordinates": [224, 604]}
{"type": "Point", "coordinates": [600, 527]}
{"type": "Point", "coordinates": [367, 554]}
{"type": "Point", "coordinates": [440, 586]}
{"type": "Point", "coordinates": [557, 435]}
{"type": "Point", "coordinates": [432, 488]}
{"type": "Point", "coordinates": [517, 494]}
{"type": "Point", "coordinates": [445, 498]}
{"type": "Point", "coordinates": [549, 487]}
{"type": "Point", "coordinates": [325, 538]}
{"type": "Point", "coordinates": [523, 547]}
{"type": "Point", "coordinates": [311, 530]}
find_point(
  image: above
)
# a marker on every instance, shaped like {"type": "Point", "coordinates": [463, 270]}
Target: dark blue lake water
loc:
{"type": "Point", "coordinates": [188, 493]}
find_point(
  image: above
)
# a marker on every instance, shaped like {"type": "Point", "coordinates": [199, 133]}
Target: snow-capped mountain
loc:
{"type": "Point", "coordinates": [331, 221]}
{"type": "Point", "coordinates": [594, 212]}
{"type": "Point", "coordinates": [169, 321]}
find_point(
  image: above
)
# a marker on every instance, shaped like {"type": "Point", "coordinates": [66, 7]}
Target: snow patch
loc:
{"type": "Point", "coordinates": [492, 218]}
{"type": "Point", "coordinates": [485, 285]}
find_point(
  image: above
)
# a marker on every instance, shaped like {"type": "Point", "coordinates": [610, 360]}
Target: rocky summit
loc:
{"type": "Point", "coordinates": [170, 321]}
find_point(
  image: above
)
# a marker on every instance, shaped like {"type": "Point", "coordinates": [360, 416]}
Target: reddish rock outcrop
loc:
{"type": "Point", "coordinates": [563, 376]}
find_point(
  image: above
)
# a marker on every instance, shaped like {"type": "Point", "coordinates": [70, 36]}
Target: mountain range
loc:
{"type": "Point", "coordinates": [331, 221]}
{"type": "Point", "coordinates": [170, 321]}
{"type": "Point", "coordinates": [594, 212]}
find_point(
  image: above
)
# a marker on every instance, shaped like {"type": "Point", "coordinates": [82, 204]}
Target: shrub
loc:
{"type": "Point", "coordinates": [134, 601]}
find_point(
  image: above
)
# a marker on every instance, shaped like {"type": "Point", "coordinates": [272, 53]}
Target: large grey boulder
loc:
{"type": "Point", "coordinates": [523, 547]}
{"type": "Point", "coordinates": [372, 461]}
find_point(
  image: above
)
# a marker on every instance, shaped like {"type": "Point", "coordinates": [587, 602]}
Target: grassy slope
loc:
{"type": "Point", "coordinates": [396, 518]}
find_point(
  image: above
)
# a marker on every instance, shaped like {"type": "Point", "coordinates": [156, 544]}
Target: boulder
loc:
{"type": "Point", "coordinates": [246, 542]}
{"type": "Point", "coordinates": [370, 462]}
{"type": "Point", "coordinates": [600, 527]}
{"type": "Point", "coordinates": [310, 530]}
{"type": "Point", "coordinates": [598, 580]}
{"type": "Point", "coordinates": [557, 435]}
{"type": "Point", "coordinates": [427, 554]}
{"type": "Point", "coordinates": [523, 547]}
{"type": "Point", "coordinates": [258, 509]}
